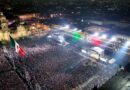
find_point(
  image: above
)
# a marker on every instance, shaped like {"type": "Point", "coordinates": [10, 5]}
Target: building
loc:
{"type": "Point", "coordinates": [3, 22]}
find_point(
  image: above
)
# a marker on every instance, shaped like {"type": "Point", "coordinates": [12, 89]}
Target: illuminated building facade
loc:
{"type": "Point", "coordinates": [4, 22]}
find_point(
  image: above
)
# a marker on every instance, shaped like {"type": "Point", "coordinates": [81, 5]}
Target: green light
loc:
{"type": "Point", "coordinates": [76, 36]}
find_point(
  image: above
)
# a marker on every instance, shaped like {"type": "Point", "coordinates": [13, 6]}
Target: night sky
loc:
{"type": "Point", "coordinates": [126, 2]}
{"type": "Point", "coordinates": [122, 5]}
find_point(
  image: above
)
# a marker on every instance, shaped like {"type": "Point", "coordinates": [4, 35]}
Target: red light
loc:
{"type": "Point", "coordinates": [96, 41]}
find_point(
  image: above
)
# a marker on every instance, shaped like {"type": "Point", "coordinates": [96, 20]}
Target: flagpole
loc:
{"type": "Point", "coordinates": [10, 56]}
{"type": "Point", "coordinates": [13, 62]}
{"type": "Point", "coordinates": [21, 54]}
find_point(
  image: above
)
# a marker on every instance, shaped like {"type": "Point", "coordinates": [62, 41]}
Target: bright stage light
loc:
{"type": "Point", "coordinates": [49, 36]}
{"type": "Point", "coordinates": [96, 34]}
{"type": "Point", "coordinates": [75, 29]}
{"type": "Point", "coordinates": [104, 36]}
{"type": "Point", "coordinates": [61, 38]}
{"type": "Point", "coordinates": [113, 39]}
{"type": "Point", "coordinates": [127, 44]}
{"type": "Point", "coordinates": [83, 51]}
{"type": "Point", "coordinates": [67, 26]}
{"type": "Point", "coordinates": [120, 55]}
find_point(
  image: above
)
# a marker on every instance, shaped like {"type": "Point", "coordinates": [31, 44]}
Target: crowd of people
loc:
{"type": "Point", "coordinates": [8, 77]}
{"type": "Point", "coordinates": [50, 66]}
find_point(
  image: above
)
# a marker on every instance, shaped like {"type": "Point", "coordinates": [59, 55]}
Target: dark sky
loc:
{"type": "Point", "coordinates": [63, 1]}
{"type": "Point", "coordinates": [118, 3]}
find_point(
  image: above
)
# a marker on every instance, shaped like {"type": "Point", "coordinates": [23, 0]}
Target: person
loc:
{"type": "Point", "coordinates": [95, 88]}
{"type": "Point", "coordinates": [37, 86]}
{"type": "Point", "coordinates": [5, 49]}
{"type": "Point", "coordinates": [27, 75]}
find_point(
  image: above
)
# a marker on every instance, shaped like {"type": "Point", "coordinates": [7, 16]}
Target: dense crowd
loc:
{"type": "Point", "coordinates": [50, 66]}
{"type": "Point", "coordinates": [9, 80]}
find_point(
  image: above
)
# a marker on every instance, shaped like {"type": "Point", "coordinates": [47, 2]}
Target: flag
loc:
{"type": "Point", "coordinates": [19, 50]}
{"type": "Point", "coordinates": [12, 42]}
{"type": "Point", "coordinates": [17, 47]}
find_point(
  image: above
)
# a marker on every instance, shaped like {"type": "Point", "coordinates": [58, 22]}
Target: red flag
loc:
{"type": "Point", "coordinates": [18, 49]}
{"type": "Point", "coordinates": [21, 52]}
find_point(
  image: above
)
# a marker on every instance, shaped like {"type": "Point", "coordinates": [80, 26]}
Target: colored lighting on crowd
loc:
{"type": "Point", "coordinates": [76, 36]}
{"type": "Point", "coordinates": [96, 41]}
{"type": "Point", "coordinates": [120, 55]}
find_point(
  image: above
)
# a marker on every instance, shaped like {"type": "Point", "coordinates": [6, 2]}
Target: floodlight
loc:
{"type": "Point", "coordinates": [113, 39]}
{"type": "Point", "coordinates": [96, 34]}
{"type": "Point", "coordinates": [49, 36]}
{"type": "Point", "coordinates": [75, 29]}
{"type": "Point", "coordinates": [66, 26]}
{"type": "Point", "coordinates": [104, 36]}
{"type": "Point", "coordinates": [83, 51]}
{"type": "Point", "coordinates": [127, 43]}
{"type": "Point", "coordinates": [61, 39]}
